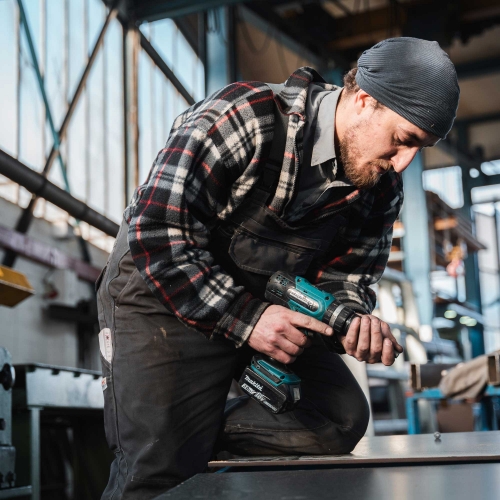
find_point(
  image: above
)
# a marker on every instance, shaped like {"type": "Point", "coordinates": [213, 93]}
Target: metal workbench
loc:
{"type": "Point", "coordinates": [455, 466]}
{"type": "Point", "coordinates": [436, 482]}
{"type": "Point", "coordinates": [44, 389]}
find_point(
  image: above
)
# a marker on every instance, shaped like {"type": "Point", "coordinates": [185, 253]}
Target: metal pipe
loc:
{"type": "Point", "coordinates": [40, 186]}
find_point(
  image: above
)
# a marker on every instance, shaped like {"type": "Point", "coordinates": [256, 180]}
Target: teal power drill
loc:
{"type": "Point", "coordinates": [269, 382]}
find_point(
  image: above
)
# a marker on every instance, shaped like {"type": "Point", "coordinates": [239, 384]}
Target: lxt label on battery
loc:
{"type": "Point", "coordinates": [303, 299]}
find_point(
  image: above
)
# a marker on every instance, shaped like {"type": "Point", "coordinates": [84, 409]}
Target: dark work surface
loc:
{"type": "Point", "coordinates": [438, 482]}
{"type": "Point", "coordinates": [418, 448]}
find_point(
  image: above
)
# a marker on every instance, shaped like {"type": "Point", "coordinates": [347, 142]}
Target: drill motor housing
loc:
{"type": "Point", "coordinates": [271, 383]}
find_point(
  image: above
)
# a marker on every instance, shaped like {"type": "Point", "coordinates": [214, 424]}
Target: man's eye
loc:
{"type": "Point", "coordinates": [397, 142]}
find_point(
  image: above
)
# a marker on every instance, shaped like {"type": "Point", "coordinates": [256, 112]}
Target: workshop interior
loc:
{"type": "Point", "coordinates": [89, 90]}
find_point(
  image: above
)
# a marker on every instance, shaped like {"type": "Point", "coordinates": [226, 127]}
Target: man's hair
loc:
{"type": "Point", "coordinates": [351, 86]}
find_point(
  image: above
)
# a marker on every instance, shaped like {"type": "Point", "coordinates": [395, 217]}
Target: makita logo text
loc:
{"type": "Point", "coordinates": [255, 384]}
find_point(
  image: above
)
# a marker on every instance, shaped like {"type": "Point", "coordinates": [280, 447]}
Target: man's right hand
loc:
{"type": "Point", "coordinates": [276, 333]}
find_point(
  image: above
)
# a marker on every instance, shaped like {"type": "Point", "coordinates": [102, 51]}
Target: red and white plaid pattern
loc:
{"type": "Point", "coordinates": [213, 157]}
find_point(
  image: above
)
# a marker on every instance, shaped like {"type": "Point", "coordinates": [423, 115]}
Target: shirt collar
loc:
{"type": "Point", "coordinates": [324, 133]}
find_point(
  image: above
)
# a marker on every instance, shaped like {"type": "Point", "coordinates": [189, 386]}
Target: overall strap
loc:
{"type": "Point", "coordinates": [268, 181]}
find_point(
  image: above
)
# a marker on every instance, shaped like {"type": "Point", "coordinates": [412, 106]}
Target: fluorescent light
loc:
{"type": "Point", "coordinates": [468, 321]}
{"type": "Point", "coordinates": [449, 314]}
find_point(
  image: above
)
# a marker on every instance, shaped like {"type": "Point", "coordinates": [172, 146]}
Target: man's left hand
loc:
{"type": "Point", "coordinates": [370, 339]}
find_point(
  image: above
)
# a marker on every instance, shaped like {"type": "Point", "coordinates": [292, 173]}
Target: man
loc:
{"type": "Point", "coordinates": [304, 179]}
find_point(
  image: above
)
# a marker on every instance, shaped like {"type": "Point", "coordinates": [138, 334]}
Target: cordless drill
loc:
{"type": "Point", "coordinates": [269, 382]}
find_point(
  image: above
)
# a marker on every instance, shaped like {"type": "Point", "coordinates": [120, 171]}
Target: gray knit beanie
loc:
{"type": "Point", "coordinates": [413, 77]}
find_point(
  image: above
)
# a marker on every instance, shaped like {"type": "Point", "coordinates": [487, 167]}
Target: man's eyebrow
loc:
{"type": "Point", "coordinates": [413, 137]}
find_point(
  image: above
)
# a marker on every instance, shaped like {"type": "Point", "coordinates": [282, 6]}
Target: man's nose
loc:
{"type": "Point", "coordinates": [403, 158]}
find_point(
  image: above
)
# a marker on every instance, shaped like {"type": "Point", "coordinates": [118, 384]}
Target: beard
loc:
{"type": "Point", "coordinates": [362, 176]}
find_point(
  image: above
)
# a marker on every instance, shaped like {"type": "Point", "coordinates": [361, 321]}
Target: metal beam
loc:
{"type": "Point", "coordinates": [39, 185]}
{"type": "Point", "coordinates": [165, 69]}
{"type": "Point", "coordinates": [154, 10]}
{"type": "Point", "coordinates": [477, 68]}
{"type": "Point", "coordinates": [473, 120]}
{"type": "Point", "coordinates": [47, 255]}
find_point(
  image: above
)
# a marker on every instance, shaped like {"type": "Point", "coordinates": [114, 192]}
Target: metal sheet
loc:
{"type": "Point", "coordinates": [443, 482]}
{"type": "Point", "coordinates": [419, 448]}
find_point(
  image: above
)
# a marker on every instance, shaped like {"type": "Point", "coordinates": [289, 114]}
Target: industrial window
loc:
{"type": "Point", "coordinates": [64, 33]}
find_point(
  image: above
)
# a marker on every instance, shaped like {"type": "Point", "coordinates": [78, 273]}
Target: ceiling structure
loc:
{"type": "Point", "coordinates": [337, 31]}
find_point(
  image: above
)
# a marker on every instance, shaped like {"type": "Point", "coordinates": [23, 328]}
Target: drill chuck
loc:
{"type": "Point", "coordinates": [339, 317]}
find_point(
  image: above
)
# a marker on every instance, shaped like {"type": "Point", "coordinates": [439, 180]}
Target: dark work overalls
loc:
{"type": "Point", "coordinates": [166, 385]}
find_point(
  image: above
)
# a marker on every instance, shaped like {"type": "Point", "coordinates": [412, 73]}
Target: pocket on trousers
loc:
{"type": "Point", "coordinates": [100, 278]}
{"type": "Point", "coordinates": [123, 293]}
{"type": "Point", "coordinates": [266, 256]}
{"type": "Point", "coordinates": [110, 421]}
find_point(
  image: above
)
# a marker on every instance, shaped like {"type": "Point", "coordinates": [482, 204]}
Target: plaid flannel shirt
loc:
{"type": "Point", "coordinates": [213, 157]}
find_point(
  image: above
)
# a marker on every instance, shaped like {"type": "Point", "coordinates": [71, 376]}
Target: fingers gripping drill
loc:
{"type": "Point", "coordinates": [273, 384]}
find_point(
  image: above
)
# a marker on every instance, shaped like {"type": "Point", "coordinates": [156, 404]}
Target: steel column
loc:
{"type": "Point", "coordinates": [218, 70]}
{"type": "Point", "coordinates": [417, 263]}
{"type": "Point", "coordinates": [34, 416]}
{"type": "Point", "coordinates": [131, 40]}
{"type": "Point", "coordinates": [412, 415]}
{"type": "Point", "coordinates": [472, 283]}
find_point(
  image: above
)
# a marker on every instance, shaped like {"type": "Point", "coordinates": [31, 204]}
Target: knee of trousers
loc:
{"type": "Point", "coordinates": [342, 437]}
{"type": "Point", "coordinates": [357, 414]}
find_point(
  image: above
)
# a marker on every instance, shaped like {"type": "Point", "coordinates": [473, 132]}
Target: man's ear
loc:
{"type": "Point", "coordinates": [362, 101]}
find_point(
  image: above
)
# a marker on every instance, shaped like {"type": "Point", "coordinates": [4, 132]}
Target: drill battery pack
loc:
{"type": "Point", "coordinates": [271, 384]}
